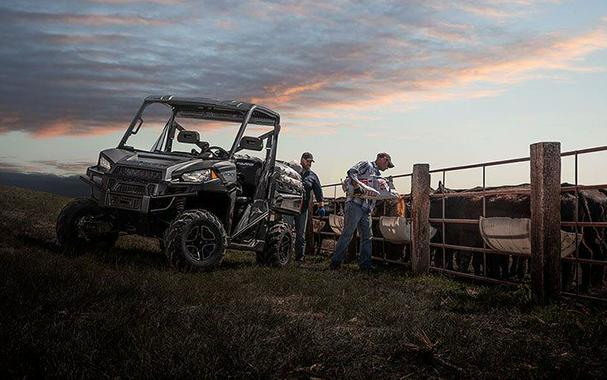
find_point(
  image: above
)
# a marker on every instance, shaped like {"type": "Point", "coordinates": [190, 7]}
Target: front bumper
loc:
{"type": "Point", "coordinates": [112, 191]}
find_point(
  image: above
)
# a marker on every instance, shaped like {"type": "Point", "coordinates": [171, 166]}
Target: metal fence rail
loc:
{"type": "Point", "coordinates": [582, 264]}
{"type": "Point", "coordinates": [445, 265]}
{"type": "Point", "coordinates": [448, 257]}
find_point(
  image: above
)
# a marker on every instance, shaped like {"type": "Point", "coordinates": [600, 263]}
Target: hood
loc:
{"type": "Point", "coordinates": [167, 164]}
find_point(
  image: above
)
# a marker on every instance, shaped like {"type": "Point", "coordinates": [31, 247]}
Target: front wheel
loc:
{"type": "Point", "coordinates": [196, 239]}
{"type": "Point", "coordinates": [72, 234]}
{"type": "Point", "coordinates": [278, 247]}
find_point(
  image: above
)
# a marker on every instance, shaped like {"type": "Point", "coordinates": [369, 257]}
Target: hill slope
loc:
{"type": "Point", "coordinates": [129, 315]}
{"type": "Point", "coordinates": [69, 186]}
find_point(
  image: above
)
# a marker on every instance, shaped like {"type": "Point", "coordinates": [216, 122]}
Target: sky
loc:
{"type": "Point", "coordinates": [441, 82]}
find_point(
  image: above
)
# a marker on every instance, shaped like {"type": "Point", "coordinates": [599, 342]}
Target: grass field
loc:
{"type": "Point", "coordinates": [129, 315]}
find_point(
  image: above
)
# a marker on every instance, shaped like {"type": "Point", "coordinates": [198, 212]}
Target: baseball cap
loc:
{"type": "Point", "coordinates": [307, 156]}
{"type": "Point", "coordinates": [384, 154]}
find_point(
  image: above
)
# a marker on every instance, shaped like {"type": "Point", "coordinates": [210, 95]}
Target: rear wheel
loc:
{"type": "Point", "coordinates": [72, 234]}
{"type": "Point", "coordinates": [196, 239]}
{"type": "Point", "coordinates": [278, 247]}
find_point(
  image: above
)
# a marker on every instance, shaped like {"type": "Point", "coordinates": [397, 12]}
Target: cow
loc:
{"type": "Point", "coordinates": [592, 207]}
{"type": "Point", "coordinates": [471, 207]}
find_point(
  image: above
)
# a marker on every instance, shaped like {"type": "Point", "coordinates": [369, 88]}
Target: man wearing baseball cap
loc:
{"type": "Point", "coordinates": [386, 157]}
{"type": "Point", "coordinates": [358, 212]}
{"type": "Point", "coordinates": [311, 183]}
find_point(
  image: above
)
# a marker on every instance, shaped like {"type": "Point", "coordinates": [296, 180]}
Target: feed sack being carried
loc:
{"type": "Point", "coordinates": [374, 187]}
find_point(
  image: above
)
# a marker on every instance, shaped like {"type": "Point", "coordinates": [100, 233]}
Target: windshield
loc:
{"type": "Point", "coordinates": [159, 126]}
{"type": "Point", "coordinates": [150, 126]}
{"type": "Point", "coordinates": [214, 133]}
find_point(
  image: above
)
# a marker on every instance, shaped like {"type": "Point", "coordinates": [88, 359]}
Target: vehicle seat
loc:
{"type": "Point", "coordinates": [248, 172]}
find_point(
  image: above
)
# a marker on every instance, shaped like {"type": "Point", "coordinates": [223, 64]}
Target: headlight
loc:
{"type": "Point", "coordinates": [104, 163]}
{"type": "Point", "coordinates": [197, 176]}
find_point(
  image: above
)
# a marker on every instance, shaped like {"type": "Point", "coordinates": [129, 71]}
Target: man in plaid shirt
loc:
{"type": "Point", "coordinates": [358, 212]}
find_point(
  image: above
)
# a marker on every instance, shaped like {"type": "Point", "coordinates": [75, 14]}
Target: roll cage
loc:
{"type": "Point", "coordinates": [211, 109]}
{"type": "Point", "coordinates": [217, 110]}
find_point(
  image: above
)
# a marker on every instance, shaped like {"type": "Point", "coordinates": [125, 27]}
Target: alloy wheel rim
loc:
{"type": "Point", "coordinates": [200, 243]}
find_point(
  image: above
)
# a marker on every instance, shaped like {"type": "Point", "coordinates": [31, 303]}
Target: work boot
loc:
{"type": "Point", "coordinates": [334, 266]}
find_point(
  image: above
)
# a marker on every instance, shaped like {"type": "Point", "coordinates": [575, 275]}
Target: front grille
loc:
{"type": "Point", "coordinates": [129, 189]}
{"type": "Point", "coordinates": [138, 174]}
{"type": "Point", "coordinates": [121, 201]}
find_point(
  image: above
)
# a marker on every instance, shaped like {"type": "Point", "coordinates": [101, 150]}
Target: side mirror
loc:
{"type": "Point", "coordinates": [188, 137]}
{"type": "Point", "coordinates": [251, 143]}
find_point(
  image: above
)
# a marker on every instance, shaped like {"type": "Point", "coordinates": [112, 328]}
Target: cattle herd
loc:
{"type": "Point", "coordinates": [510, 201]}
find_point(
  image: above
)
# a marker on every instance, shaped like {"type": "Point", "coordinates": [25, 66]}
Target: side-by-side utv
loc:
{"type": "Point", "coordinates": [198, 198]}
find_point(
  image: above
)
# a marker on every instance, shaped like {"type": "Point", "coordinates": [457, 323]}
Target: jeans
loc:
{"type": "Point", "coordinates": [300, 222]}
{"type": "Point", "coordinates": [355, 217]}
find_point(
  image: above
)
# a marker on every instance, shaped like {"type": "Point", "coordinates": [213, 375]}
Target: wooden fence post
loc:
{"type": "Point", "coordinates": [420, 225]}
{"type": "Point", "coordinates": [545, 168]}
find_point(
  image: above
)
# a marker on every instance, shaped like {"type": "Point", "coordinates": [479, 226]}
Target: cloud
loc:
{"type": "Point", "coordinates": [277, 94]}
{"type": "Point", "coordinates": [18, 167]}
{"type": "Point", "coordinates": [431, 83]}
{"type": "Point", "coordinates": [66, 167]}
{"type": "Point", "coordinates": [488, 11]}
{"type": "Point", "coordinates": [122, 2]}
{"type": "Point", "coordinates": [492, 9]}
{"type": "Point", "coordinates": [546, 53]}
{"type": "Point", "coordinates": [83, 68]}
{"type": "Point", "coordinates": [68, 18]}
{"type": "Point", "coordinates": [67, 127]}
{"type": "Point", "coordinates": [45, 166]}
{"type": "Point", "coordinates": [87, 39]}
{"type": "Point", "coordinates": [7, 166]}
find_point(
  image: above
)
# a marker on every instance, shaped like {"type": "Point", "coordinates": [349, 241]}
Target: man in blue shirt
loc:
{"type": "Point", "coordinates": [358, 212]}
{"type": "Point", "coordinates": [311, 184]}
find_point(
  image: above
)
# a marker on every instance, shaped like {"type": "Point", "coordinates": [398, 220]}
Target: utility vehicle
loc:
{"type": "Point", "coordinates": [199, 198]}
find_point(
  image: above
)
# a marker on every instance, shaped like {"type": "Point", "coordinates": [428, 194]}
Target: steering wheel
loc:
{"type": "Point", "coordinates": [218, 152]}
